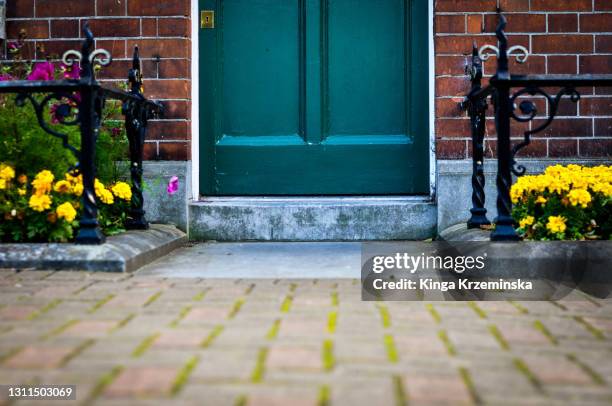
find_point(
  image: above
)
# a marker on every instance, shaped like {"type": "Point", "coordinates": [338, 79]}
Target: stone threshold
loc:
{"type": "Point", "coordinates": [312, 218]}
{"type": "Point", "coordinates": [125, 252]}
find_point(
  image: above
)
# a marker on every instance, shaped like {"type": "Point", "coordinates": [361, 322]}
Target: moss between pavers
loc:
{"type": "Point", "coordinates": [184, 374]}
{"type": "Point", "coordinates": [335, 301]}
{"type": "Point", "coordinates": [401, 399]}
{"type": "Point", "coordinates": [218, 329]}
{"type": "Point", "coordinates": [45, 309]}
{"type": "Point", "coordinates": [522, 309]}
{"type": "Point", "coordinates": [385, 316]}
{"type": "Point", "coordinates": [286, 305]}
{"type": "Point", "coordinates": [100, 303]}
{"type": "Point", "coordinates": [324, 397]}
{"type": "Point", "coordinates": [103, 383]}
{"type": "Point", "coordinates": [327, 355]}
{"type": "Point", "coordinates": [273, 332]}
{"type": "Point", "coordinates": [332, 321]}
{"type": "Point", "coordinates": [546, 332]}
{"type": "Point", "coordinates": [60, 329]}
{"type": "Point", "coordinates": [597, 333]}
{"type": "Point", "coordinates": [390, 348]}
{"type": "Point", "coordinates": [469, 384]}
{"type": "Point", "coordinates": [145, 345]}
{"type": "Point", "coordinates": [480, 312]}
{"type": "Point", "coordinates": [183, 313]}
{"type": "Point", "coordinates": [152, 299]}
{"type": "Point", "coordinates": [123, 322]}
{"type": "Point", "coordinates": [260, 365]}
{"type": "Point", "coordinates": [524, 369]}
{"type": "Point", "coordinates": [450, 348]}
{"type": "Point", "coordinates": [499, 337]}
{"type": "Point", "coordinates": [434, 313]}
{"type": "Point", "coordinates": [236, 308]}
{"type": "Point", "coordinates": [595, 377]}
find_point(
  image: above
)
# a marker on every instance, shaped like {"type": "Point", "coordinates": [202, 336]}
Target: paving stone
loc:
{"type": "Point", "coordinates": [143, 382]}
{"type": "Point", "coordinates": [38, 357]}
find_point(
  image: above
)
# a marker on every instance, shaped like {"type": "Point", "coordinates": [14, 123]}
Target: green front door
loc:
{"type": "Point", "coordinates": [314, 97]}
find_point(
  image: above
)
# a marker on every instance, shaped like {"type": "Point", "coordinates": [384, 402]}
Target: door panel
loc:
{"type": "Point", "coordinates": [367, 67]}
{"type": "Point", "coordinates": [260, 66]}
{"type": "Point", "coordinates": [314, 97]}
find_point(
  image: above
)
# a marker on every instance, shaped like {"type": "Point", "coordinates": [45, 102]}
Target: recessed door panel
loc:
{"type": "Point", "coordinates": [367, 67]}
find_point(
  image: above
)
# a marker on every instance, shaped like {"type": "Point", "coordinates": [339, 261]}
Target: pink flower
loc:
{"type": "Point", "coordinates": [42, 71]}
{"type": "Point", "coordinates": [4, 77]}
{"type": "Point", "coordinates": [173, 185]}
{"type": "Point", "coordinates": [71, 72]}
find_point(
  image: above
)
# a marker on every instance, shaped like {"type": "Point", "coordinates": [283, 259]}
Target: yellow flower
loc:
{"type": "Point", "coordinates": [77, 189]}
{"type": "Point", "coordinates": [526, 222]}
{"type": "Point", "coordinates": [66, 211]}
{"type": "Point", "coordinates": [40, 202]}
{"type": "Point", "coordinates": [21, 192]}
{"type": "Point", "coordinates": [541, 200]}
{"type": "Point", "coordinates": [122, 190]}
{"type": "Point", "coordinates": [6, 172]}
{"type": "Point", "coordinates": [2, 184]}
{"type": "Point", "coordinates": [43, 181]}
{"type": "Point", "coordinates": [556, 224]}
{"type": "Point", "coordinates": [62, 186]}
{"type": "Point", "coordinates": [105, 196]}
{"type": "Point", "coordinates": [579, 197]}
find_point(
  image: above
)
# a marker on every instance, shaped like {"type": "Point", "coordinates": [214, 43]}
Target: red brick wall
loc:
{"type": "Point", "coordinates": [563, 36]}
{"type": "Point", "coordinates": [161, 29]}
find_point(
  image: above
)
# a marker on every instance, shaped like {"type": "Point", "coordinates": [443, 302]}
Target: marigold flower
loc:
{"type": "Point", "coordinates": [21, 191]}
{"type": "Point", "coordinates": [541, 200]}
{"type": "Point", "coordinates": [6, 172]}
{"type": "Point", "coordinates": [62, 186]}
{"type": "Point", "coordinates": [122, 190]}
{"type": "Point", "coordinates": [22, 179]}
{"type": "Point", "coordinates": [526, 222]}
{"type": "Point", "coordinates": [2, 184]}
{"type": "Point", "coordinates": [105, 196]}
{"type": "Point", "coordinates": [43, 181]}
{"type": "Point", "coordinates": [40, 202]}
{"type": "Point", "coordinates": [66, 211]}
{"type": "Point", "coordinates": [556, 224]}
{"type": "Point", "coordinates": [579, 197]}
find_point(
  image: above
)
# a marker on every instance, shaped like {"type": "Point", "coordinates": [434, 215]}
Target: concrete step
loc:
{"type": "Point", "coordinates": [312, 219]}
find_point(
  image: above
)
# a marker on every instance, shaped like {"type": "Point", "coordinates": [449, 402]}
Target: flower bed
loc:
{"type": "Point", "coordinates": [565, 203]}
{"type": "Point", "coordinates": [40, 189]}
{"type": "Point", "coordinates": [47, 209]}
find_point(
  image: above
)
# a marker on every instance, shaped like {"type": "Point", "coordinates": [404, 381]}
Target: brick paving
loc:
{"type": "Point", "coordinates": [144, 340]}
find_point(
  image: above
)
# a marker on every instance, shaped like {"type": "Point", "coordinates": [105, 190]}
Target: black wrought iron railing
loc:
{"type": "Point", "coordinates": [136, 109]}
{"type": "Point", "coordinates": [503, 92]}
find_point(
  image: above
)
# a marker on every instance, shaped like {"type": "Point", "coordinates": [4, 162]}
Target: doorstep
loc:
{"type": "Point", "coordinates": [125, 252]}
{"type": "Point", "coordinates": [312, 219]}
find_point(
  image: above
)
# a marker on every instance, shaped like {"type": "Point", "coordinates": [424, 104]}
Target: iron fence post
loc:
{"type": "Point", "coordinates": [89, 114]}
{"type": "Point", "coordinates": [136, 116]}
{"type": "Point", "coordinates": [477, 111]}
{"type": "Point", "coordinates": [504, 223]}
